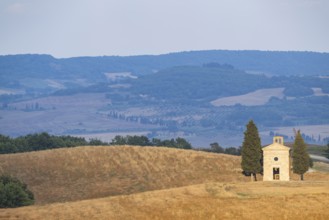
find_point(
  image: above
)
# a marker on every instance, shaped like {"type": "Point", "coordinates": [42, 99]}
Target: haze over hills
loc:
{"type": "Point", "coordinates": [204, 96]}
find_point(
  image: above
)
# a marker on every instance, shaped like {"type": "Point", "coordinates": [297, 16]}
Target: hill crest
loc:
{"type": "Point", "coordinates": [80, 173]}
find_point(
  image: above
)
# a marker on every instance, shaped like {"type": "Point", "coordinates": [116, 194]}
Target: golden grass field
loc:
{"type": "Point", "coordinates": [157, 183]}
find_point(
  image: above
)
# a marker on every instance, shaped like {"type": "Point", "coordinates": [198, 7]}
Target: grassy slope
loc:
{"type": "Point", "coordinates": [92, 172]}
{"type": "Point", "coordinates": [185, 185]}
{"type": "Point", "coordinates": [253, 200]}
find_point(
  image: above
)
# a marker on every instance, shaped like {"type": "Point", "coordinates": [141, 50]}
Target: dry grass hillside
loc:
{"type": "Point", "coordinates": [125, 182]}
{"type": "Point", "coordinates": [73, 174]}
{"type": "Point", "coordinates": [252, 200]}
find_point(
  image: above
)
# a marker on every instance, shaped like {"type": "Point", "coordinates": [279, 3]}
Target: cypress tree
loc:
{"type": "Point", "coordinates": [300, 156]}
{"type": "Point", "coordinates": [251, 151]}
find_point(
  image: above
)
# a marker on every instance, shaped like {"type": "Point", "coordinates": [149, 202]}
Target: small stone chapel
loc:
{"type": "Point", "coordinates": [276, 161]}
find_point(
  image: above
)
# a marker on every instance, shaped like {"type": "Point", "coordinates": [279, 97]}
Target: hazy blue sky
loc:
{"type": "Point", "coordinates": [66, 28]}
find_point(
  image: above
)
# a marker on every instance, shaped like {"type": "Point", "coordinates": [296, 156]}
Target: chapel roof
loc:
{"type": "Point", "coordinates": [276, 145]}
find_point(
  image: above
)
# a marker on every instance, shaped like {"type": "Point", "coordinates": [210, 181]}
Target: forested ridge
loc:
{"type": "Point", "coordinates": [274, 62]}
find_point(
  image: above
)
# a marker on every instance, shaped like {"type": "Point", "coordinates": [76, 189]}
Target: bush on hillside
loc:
{"type": "Point", "coordinates": [14, 193]}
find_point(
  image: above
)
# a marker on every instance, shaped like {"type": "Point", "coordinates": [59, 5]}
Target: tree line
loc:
{"type": "Point", "coordinates": [45, 141]}
{"type": "Point", "coordinates": [216, 148]}
{"type": "Point", "coordinates": [145, 141]}
{"type": "Point", "coordinates": [141, 119]}
{"type": "Point", "coordinates": [41, 141]}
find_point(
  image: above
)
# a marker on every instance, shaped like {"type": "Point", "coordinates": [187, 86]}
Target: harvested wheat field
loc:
{"type": "Point", "coordinates": [156, 183]}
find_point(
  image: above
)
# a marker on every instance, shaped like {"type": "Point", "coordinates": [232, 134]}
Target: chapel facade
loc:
{"type": "Point", "coordinates": [276, 161]}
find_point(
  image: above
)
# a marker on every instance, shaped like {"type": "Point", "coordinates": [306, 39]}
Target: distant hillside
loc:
{"type": "Point", "coordinates": [93, 172]}
{"type": "Point", "coordinates": [191, 83]}
{"type": "Point", "coordinates": [271, 62]}
{"type": "Point", "coordinates": [203, 96]}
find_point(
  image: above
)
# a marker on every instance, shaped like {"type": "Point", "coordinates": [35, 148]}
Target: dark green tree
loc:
{"type": "Point", "coordinates": [156, 142]}
{"type": "Point", "coordinates": [96, 142]}
{"type": "Point", "coordinates": [216, 148]}
{"type": "Point", "coordinates": [14, 193]}
{"type": "Point", "coordinates": [168, 143]}
{"type": "Point", "coordinates": [251, 151]}
{"type": "Point", "coordinates": [119, 140]}
{"type": "Point", "coordinates": [300, 156]}
{"type": "Point", "coordinates": [138, 140]}
{"type": "Point", "coordinates": [232, 151]}
{"type": "Point", "coordinates": [182, 143]}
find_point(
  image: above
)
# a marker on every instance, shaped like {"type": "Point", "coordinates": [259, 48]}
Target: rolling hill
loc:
{"type": "Point", "coordinates": [92, 172]}
{"type": "Point", "coordinates": [124, 182]}
{"type": "Point", "coordinates": [205, 201]}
